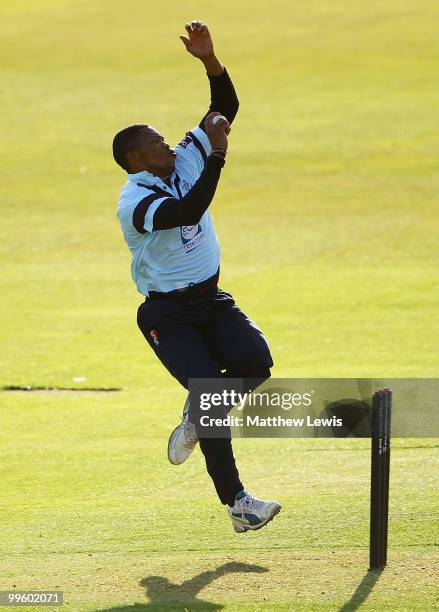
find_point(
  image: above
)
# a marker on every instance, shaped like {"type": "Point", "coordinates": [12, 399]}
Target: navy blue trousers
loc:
{"type": "Point", "coordinates": [199, 336]}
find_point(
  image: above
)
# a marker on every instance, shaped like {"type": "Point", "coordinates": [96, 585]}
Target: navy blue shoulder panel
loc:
{"type": "Point", "coordinates": [140, 211]}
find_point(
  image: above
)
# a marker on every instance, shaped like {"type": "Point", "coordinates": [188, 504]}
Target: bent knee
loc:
{"type": "Point", "coordinates": [252, 366]}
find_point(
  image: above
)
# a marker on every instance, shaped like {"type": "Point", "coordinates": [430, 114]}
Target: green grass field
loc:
{"type": "Point", "coordinates": [328, 218]}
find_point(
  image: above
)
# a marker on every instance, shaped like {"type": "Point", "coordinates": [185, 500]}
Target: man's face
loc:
{"type": "Point", "coordinates": [152, 153]}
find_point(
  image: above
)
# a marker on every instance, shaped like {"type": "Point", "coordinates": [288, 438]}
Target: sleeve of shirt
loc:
{"type": "Point", "coordinates": [193, 150]}
{"type": "Point", "coordinates": [223, 98]}
{"type": "Point", "coordinates": [143, 213]}
{"type": "Point", "coordinates": [188, 210]}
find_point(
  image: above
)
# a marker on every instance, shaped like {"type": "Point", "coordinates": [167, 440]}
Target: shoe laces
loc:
{"type": "Point", "coordinates": [250, 503]}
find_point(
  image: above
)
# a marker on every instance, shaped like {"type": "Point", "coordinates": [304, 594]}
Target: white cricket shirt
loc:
{"type": "Point", "coordinates": [164, 260]}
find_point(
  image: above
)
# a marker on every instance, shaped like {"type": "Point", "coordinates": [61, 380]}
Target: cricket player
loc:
{"type": "Point", "coordinates": [193, 327]}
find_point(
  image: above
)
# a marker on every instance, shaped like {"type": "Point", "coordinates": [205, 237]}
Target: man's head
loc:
{"type": "Point", "coordinates": [140, 147]}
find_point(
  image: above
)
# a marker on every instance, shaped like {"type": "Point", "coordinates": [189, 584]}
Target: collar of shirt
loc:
{"type": "Point", "coordinates": [144, 177]}
{"type": "Point", "coordinates": [147, 179]}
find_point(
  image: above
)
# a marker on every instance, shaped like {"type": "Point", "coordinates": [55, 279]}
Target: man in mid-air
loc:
{"type": "Point", "coordinates": [194, 328]}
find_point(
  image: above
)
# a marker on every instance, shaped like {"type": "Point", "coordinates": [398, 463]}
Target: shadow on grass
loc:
{"type": "Point", "coordinates": [362, 591]}
{"type": "Point", "coordinates": [165, 595]}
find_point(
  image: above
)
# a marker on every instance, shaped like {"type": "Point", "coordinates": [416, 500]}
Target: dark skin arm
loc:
{"type": "Point", "coordinates": [198, 43]}
{"type": "Point", "coordinates": [189, 209]}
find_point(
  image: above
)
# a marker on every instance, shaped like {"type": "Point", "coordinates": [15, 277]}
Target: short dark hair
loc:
{"type": "Point", "coordinates": [124, 141]}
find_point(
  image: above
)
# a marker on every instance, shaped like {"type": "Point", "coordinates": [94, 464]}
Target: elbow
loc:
{"type": "Point", "coordinates": [191, 219]}
{"type": "Point", "coordinates": [234, 109]}
{"type": "Point", "coordinates": [189, 215]}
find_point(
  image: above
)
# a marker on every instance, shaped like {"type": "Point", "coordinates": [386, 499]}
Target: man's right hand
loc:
{"type": "Point", "coordinates": [217, 133]}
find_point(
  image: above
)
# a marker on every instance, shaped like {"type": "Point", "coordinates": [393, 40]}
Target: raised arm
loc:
{"type": "Point", "coordinates": [223, 98]}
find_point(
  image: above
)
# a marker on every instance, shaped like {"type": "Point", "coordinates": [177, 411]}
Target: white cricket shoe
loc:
{"type": "Point", "coordinates": [183, 439]}
{"type": "Point", "coordinates": [250, 513]}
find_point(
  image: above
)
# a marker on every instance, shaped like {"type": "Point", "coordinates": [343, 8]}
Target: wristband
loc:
{"type": "Point", "coordinates": [219, 152]}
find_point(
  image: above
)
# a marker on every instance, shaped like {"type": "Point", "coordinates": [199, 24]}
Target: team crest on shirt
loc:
{"type": "Point", "coordinates": [191, 236]}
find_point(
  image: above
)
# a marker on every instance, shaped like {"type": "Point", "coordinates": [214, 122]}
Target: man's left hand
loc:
{"type": "Point", "coordinates": [199, 43]}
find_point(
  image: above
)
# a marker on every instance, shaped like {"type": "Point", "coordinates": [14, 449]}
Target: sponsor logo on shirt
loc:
{"type": "Point", "coordinates": [191, 236]}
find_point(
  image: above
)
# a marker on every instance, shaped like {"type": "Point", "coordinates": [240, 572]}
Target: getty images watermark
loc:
{"type": "Point", "coordinates": [312, 407]}
{"type": "Point", "coordinates": [231, 399]}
